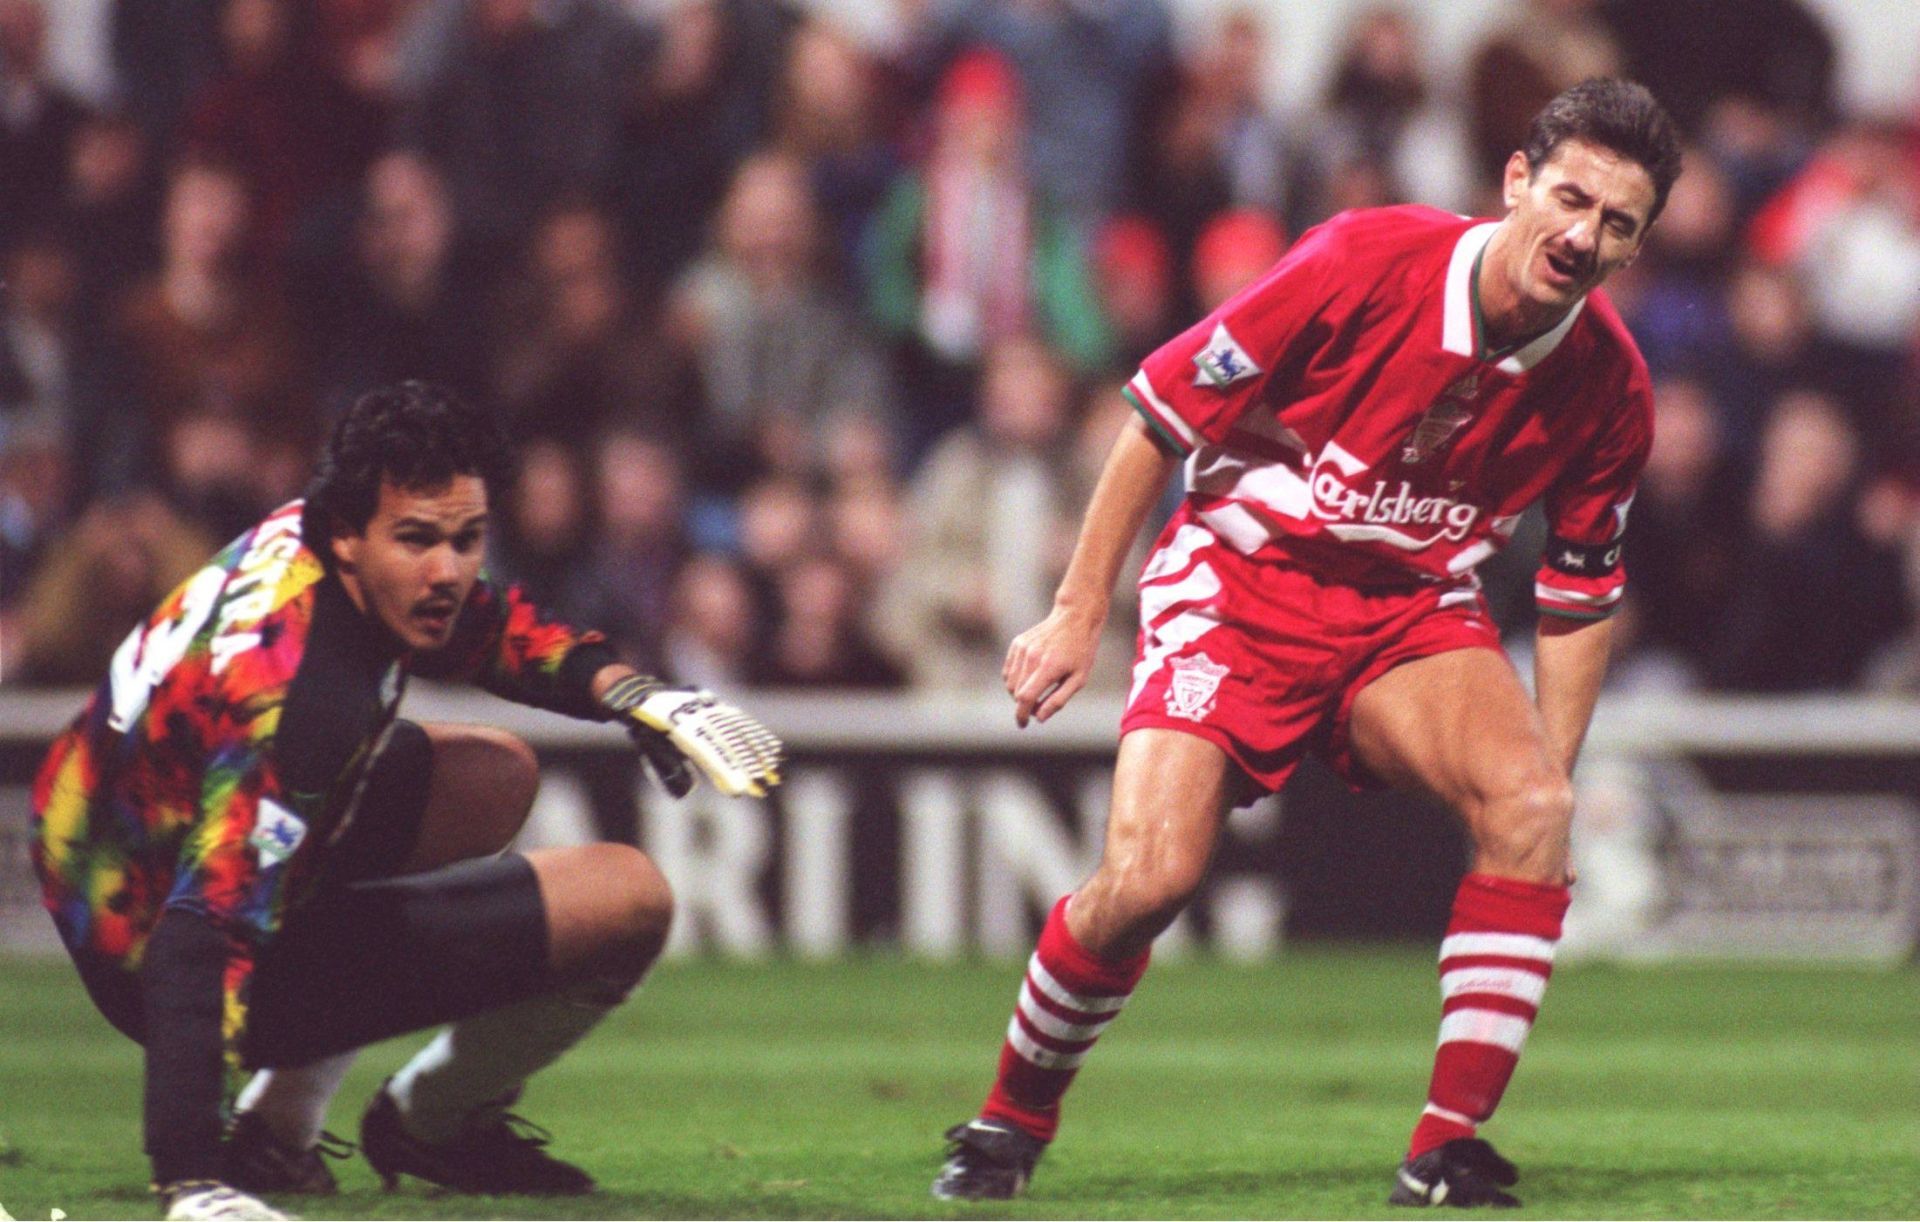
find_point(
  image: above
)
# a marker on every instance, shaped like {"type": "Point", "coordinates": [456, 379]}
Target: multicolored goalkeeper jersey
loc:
{"type": "Point", "coordinates": [1346, 407]}
{"type": "Point", "coordinates": [222, 755]}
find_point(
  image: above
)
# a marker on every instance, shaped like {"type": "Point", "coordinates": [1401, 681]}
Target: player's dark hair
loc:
{"type": "Point", "coordinates": [1620, 115]}
{"type": "Point", "coordinates": [415, 435]}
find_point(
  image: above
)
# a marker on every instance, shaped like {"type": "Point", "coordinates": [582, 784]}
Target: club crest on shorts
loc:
{"type": "Point", "coordinates": [1195, 682]}
{"type": "Point", "coordinates": [1223, 361]}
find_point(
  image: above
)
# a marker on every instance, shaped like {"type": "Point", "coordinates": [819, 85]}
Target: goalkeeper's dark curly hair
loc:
{"type": "Point", "coordinates": [415, 435]}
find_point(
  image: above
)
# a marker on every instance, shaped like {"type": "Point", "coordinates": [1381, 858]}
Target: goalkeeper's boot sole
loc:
{"type": "Point", "coordinates": [987, 1161]}
{"type": "Point", "coordinates": [496, 1154]}
{"type": "Point", "coordinates": [1465, 1173]}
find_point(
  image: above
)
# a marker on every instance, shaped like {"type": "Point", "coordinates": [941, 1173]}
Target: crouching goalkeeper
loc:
{"type": "Point", "coordinates": [257, 865]}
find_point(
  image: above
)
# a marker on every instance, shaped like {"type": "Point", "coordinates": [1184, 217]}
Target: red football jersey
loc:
{"type": "Point", "coordinates": [1345, 406]}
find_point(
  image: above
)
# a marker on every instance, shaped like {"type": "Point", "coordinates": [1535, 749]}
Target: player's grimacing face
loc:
{"type": "Point", "coordinates": [416, 562]}
{"type": "Point", "coordinates": [1578, 219]}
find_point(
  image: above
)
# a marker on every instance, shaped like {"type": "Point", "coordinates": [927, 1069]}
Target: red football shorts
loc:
{"type": "Point", "coordinates": [1264, 658]}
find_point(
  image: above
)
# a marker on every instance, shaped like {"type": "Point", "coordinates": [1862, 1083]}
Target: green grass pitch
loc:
{"type": "Point", "coordinates": [1283, 1089]}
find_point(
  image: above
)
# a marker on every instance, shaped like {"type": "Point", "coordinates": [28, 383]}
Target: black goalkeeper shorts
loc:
{"type": "Point", "coordinates": [372, 953]}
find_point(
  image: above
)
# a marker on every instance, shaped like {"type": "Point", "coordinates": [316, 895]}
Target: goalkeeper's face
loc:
{"type": "Point", "coordinates": [416, 562]}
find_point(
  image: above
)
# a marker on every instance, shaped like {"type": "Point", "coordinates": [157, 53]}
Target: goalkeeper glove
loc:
{"type": "Point", "coordinates": [678, 726]}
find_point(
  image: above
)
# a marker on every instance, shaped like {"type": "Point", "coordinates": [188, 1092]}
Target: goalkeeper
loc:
{"type": "Point", "coordinates": [256, 865]}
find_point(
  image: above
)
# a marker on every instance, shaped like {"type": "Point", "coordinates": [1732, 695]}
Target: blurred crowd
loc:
{"type": "Point", "coordinates": [813, 346]}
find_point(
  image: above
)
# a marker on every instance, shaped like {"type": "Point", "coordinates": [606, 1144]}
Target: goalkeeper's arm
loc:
{"type": "Point", "coordinates": [679, 729]}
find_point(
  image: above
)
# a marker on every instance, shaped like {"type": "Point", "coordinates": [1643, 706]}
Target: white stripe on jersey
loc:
{"type": "Point", "coordinates": [1163, 414]}
{"type": "Point", "coordinates": [1167, 639]}
{"type": "Point", "coordinates": [1556, 594]}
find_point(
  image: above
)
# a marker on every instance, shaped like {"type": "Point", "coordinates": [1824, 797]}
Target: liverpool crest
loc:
{"type": "Point", "coordinates": [1196, 681]}
{"type": "Point", "coordinates": [1449, 412]}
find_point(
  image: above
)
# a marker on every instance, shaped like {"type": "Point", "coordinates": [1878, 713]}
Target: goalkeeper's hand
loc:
{"type": "Point", "coordinates": [675, 727]}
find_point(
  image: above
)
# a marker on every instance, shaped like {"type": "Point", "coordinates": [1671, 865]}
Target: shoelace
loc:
{"type": "Point", "coordinates": [513, 1132]}
{"type": "Point", "coordinates": [334, 1146]}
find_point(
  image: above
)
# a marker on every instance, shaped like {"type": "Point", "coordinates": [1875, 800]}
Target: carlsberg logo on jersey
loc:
{"type": "Point", "coordinates": [1391, 513]}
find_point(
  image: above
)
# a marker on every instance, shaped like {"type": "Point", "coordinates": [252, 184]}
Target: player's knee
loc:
{"type": "Point", "coordinates": [514, 768]}
{"type": "Point", "coordinates": [640, 911]}
{"type": "Point", "coordinates": [1523, 831]}
{"type": "Point", "coordinates": [1134, 905]}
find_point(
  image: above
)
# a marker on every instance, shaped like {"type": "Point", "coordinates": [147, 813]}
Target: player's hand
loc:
{"type": "Point", "coordinates": [678, 726]}
{"type": "Point", "coordinates": [1049, 663]}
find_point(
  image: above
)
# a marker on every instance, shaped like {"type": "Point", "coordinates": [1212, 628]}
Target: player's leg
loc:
{"type": "Point", "coordinates": [1460, 726]}
{"type": "Point", "coordinates": [1170, 797]}
{"type": "Point", "coordinates": [436, 794]}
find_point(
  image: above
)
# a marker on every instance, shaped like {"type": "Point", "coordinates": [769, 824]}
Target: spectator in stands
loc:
{"type": "Point", "coordinates": [1850, 224]}
{"type": "Point", "coordinates": [1089, 73]}
{"type": "Point", "coordinates": [37, 119]}
{"type": "Point", "coordinates": [404, 300]}
{"type": "Point", "coordinates": [108, 213]}
{"type": "Point", "coordinates": [623, 584]}
{"type": "Point", "coordinates": [1235, 249]}
{"type": "Point", "coordinates": [779, 354]}
{"type": "Point", "coordinates": [164, 53]}
{"type": "Point", "coordinates": [1769, 349]}
{"type": "Point", "coordinates": [204, 333]}
{"type": "Point", "coordinates": [279, 117]}
{"type": "Point", "coordinates": [35, 493]}
{"type": "Point", "coordinates": [818, 641]}
{"type": "Point", "coordinates": [1678, 314]}
{"type": "Point", "coordinates": [714, 632]}
{"type": "Point", "coordinates": [779, 518]}
{"type": "Point", "coordinates": [219, 475]}
{"type": "Point", "coordinates": [703, 100]}
{"type": "Point", "coordinates": [1760, 146]}
{"type": "Point", "coordinates": [1543, 47]}
{"type": "Point", "coordinates": [1776, 53]}
{"type": "Point", "coordinates": [542, 539]}
{"type": "Point", "coordinates": [97, 582]}
{"type": "Point", "coordinates": [1217, 144]}
{"type": "Point", "coordinates": [988, 525]}
{"type": "Point", "coordinates": [865, 521]}
{"type": "Point", "coordinates": [1687, 526]}
{"type": "Point", "coordinates": [1380, 109]}
{"type": "Point", "coordinates": [576, 352]}
{"type": "Point", "coordinates": [1133, 275]}
{"type": "Point", "coordinates": [1812, 598]}
{"type": "Point", "coordinates": [520, 105]}
{"type": "Point", "coordinates": [37, 323]}
{"type": "Point", "coordinates": [831, 114]}
{"type": "Point", "coordinates": [358, 42]}
{"type": "Point", "coordinates": [966, 254]}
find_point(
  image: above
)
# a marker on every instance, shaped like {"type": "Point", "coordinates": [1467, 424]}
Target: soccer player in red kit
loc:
{"type": "Point", "coordinates": [1360, 428]}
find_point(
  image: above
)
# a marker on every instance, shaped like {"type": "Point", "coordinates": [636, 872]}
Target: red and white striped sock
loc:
{"type": "Point", "coordinates": [1494, 966]}
{"type": "Point", "coordinates": [1067, 1000]}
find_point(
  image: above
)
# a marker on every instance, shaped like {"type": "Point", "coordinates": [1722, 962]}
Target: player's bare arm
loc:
{"type": "Point", "coordinates": [1048, 663]}
{"type": "Point", "coordinates": [1569, 665]}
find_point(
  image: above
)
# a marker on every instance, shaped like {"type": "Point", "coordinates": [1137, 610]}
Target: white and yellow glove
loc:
{"type": "Point", "coordinates": [678, 726]}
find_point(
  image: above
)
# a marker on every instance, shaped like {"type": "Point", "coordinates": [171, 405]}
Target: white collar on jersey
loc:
{"type": "Point", "coordinates": [1457, 333]}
